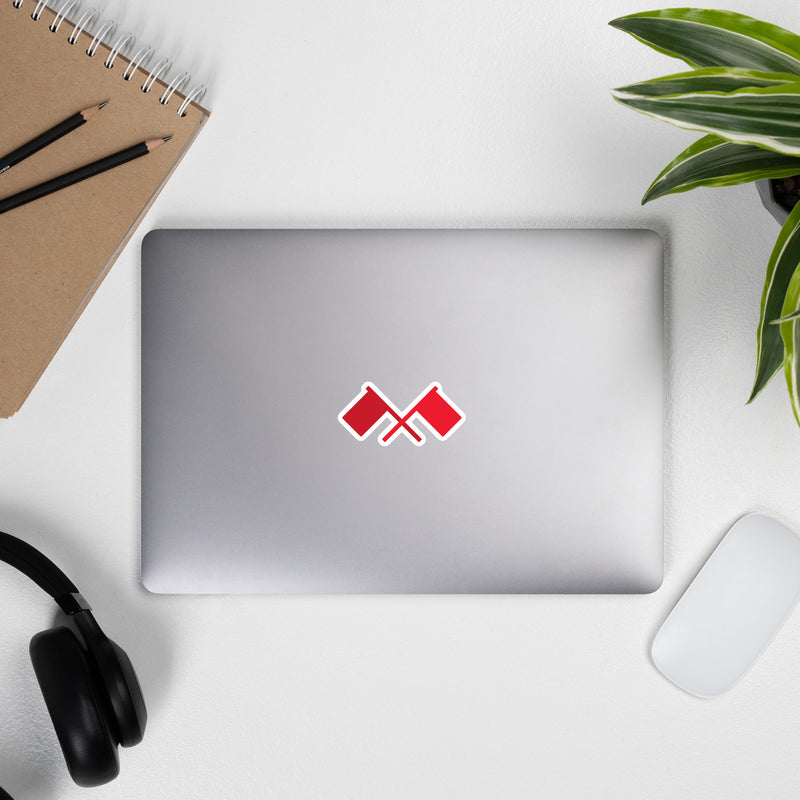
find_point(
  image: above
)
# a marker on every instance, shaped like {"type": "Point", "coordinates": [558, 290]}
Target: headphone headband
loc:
{"type": "Point", "coordinates": [88, 682]}
{"type": "Point", "coordinates": [43, 572]}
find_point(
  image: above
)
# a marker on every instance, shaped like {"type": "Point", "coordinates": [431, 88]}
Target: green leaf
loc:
{"type": "Point", "coordinates": [766, 117]}
{"type": "Point", "coordinates": [787, 318]}
{"type": "Point", "coordinates": [710, 79]}
{"type": "Point", "coordinates": [712, 161]}
{"type": "Point", "coordinates": [790, 331]}
{"type": "Point", "coordinates": [782, 266]}
{"type": "Point", "coordinates": [712, 38]}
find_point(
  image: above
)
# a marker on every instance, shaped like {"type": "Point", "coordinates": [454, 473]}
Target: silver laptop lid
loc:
{"type": "Point", "coordinates": [402, 411]}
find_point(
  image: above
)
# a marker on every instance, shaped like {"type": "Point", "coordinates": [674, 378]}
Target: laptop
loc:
{"type": "Point", "coordinates": [402, 411]}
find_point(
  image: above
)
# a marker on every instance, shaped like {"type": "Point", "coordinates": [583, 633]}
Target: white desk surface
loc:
{"type": "Point", "coordinates": [472, 113]}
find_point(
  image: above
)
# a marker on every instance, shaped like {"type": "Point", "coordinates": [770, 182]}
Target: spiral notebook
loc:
{"type": "Point", "coordinates": [54, 252]}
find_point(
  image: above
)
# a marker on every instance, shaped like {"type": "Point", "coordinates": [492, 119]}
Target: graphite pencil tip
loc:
{"type": "Point", "coordinates": [87, 113]}
{"type": "Point", "coordinates": [153, 143]}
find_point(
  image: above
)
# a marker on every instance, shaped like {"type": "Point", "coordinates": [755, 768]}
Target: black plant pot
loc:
{"type": "Point", "coordinates": [779, 195]}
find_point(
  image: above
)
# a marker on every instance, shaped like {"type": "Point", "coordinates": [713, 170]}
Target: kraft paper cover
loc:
{"type": "Point", "coordinates": [55, 251]}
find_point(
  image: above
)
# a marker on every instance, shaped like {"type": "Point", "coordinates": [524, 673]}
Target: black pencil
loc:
{"type": "Point", "coordinates": [48, 137]}
{"type": "Point", "coordinates": [80, 174]}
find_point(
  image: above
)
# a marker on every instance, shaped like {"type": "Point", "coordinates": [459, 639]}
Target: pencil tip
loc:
{"type": "Point", "coordinates": [88, 113]}
{"type": "Point", "coordinates": [153, 143]}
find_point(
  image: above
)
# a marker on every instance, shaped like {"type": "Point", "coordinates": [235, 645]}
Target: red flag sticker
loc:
{"type": "Point", "coordinates": [432, 407]}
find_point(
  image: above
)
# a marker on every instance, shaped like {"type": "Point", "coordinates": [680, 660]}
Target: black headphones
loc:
{"type": "Point", "coordinates": [88, 682]}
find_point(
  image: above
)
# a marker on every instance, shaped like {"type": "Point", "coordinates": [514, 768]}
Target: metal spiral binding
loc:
{"type": "Point", "coordinates": [141, 58]}
{"type": "Point", "coordinates": [106, 29]}
{"type": "Point", "coordinates": [121, 45]}
{"type": "Point", "coordinates": [65, 9]}
{"type": "Point", "coordinates": [86, 19]}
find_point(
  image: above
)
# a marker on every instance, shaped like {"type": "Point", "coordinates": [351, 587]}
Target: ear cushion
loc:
{"type": "Point", "coordinates": [132, 714]}
{"type": "Point", "coordinates": [74, 703]}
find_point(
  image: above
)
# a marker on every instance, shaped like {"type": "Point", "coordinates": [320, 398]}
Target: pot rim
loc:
{"type": "Point", "coordinates": [764, 188]}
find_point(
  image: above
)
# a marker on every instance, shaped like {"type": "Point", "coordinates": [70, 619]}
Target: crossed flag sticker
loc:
{"type": "Point", "coordinates": [432, 407]}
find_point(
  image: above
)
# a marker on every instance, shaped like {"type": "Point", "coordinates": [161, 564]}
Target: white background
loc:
{"type": "Point", "coordinates": [394, 114]}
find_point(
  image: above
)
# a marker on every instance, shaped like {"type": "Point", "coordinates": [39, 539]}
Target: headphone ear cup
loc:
{"type": "Point", "coordinates": [74, 702]}
{"type": "Point", "coordinates": [132, 715]}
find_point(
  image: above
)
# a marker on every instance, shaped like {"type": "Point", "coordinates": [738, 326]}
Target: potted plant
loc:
{"type": "Point", "coordinates": [743, 93]}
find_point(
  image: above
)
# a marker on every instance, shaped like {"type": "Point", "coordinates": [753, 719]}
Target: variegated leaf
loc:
{"type": "Point", "coordinates": [787, 318]}
{"type": "Point", "coordinates": [713, 161]}
{"type": "Point", "coordinates": [783, 263]}
{"type": "Point", "coordinates": [790, 331]}
{"type": "Point", "coordinates": [762, 116]}
{"type": "Point", "coordinates": [710, 79]}
{"type": "Point", "coordinates": [709, 38]}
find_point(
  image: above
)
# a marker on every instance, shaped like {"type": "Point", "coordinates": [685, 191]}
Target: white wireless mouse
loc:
{"type": "Point", "coordinates": [732, 609]}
